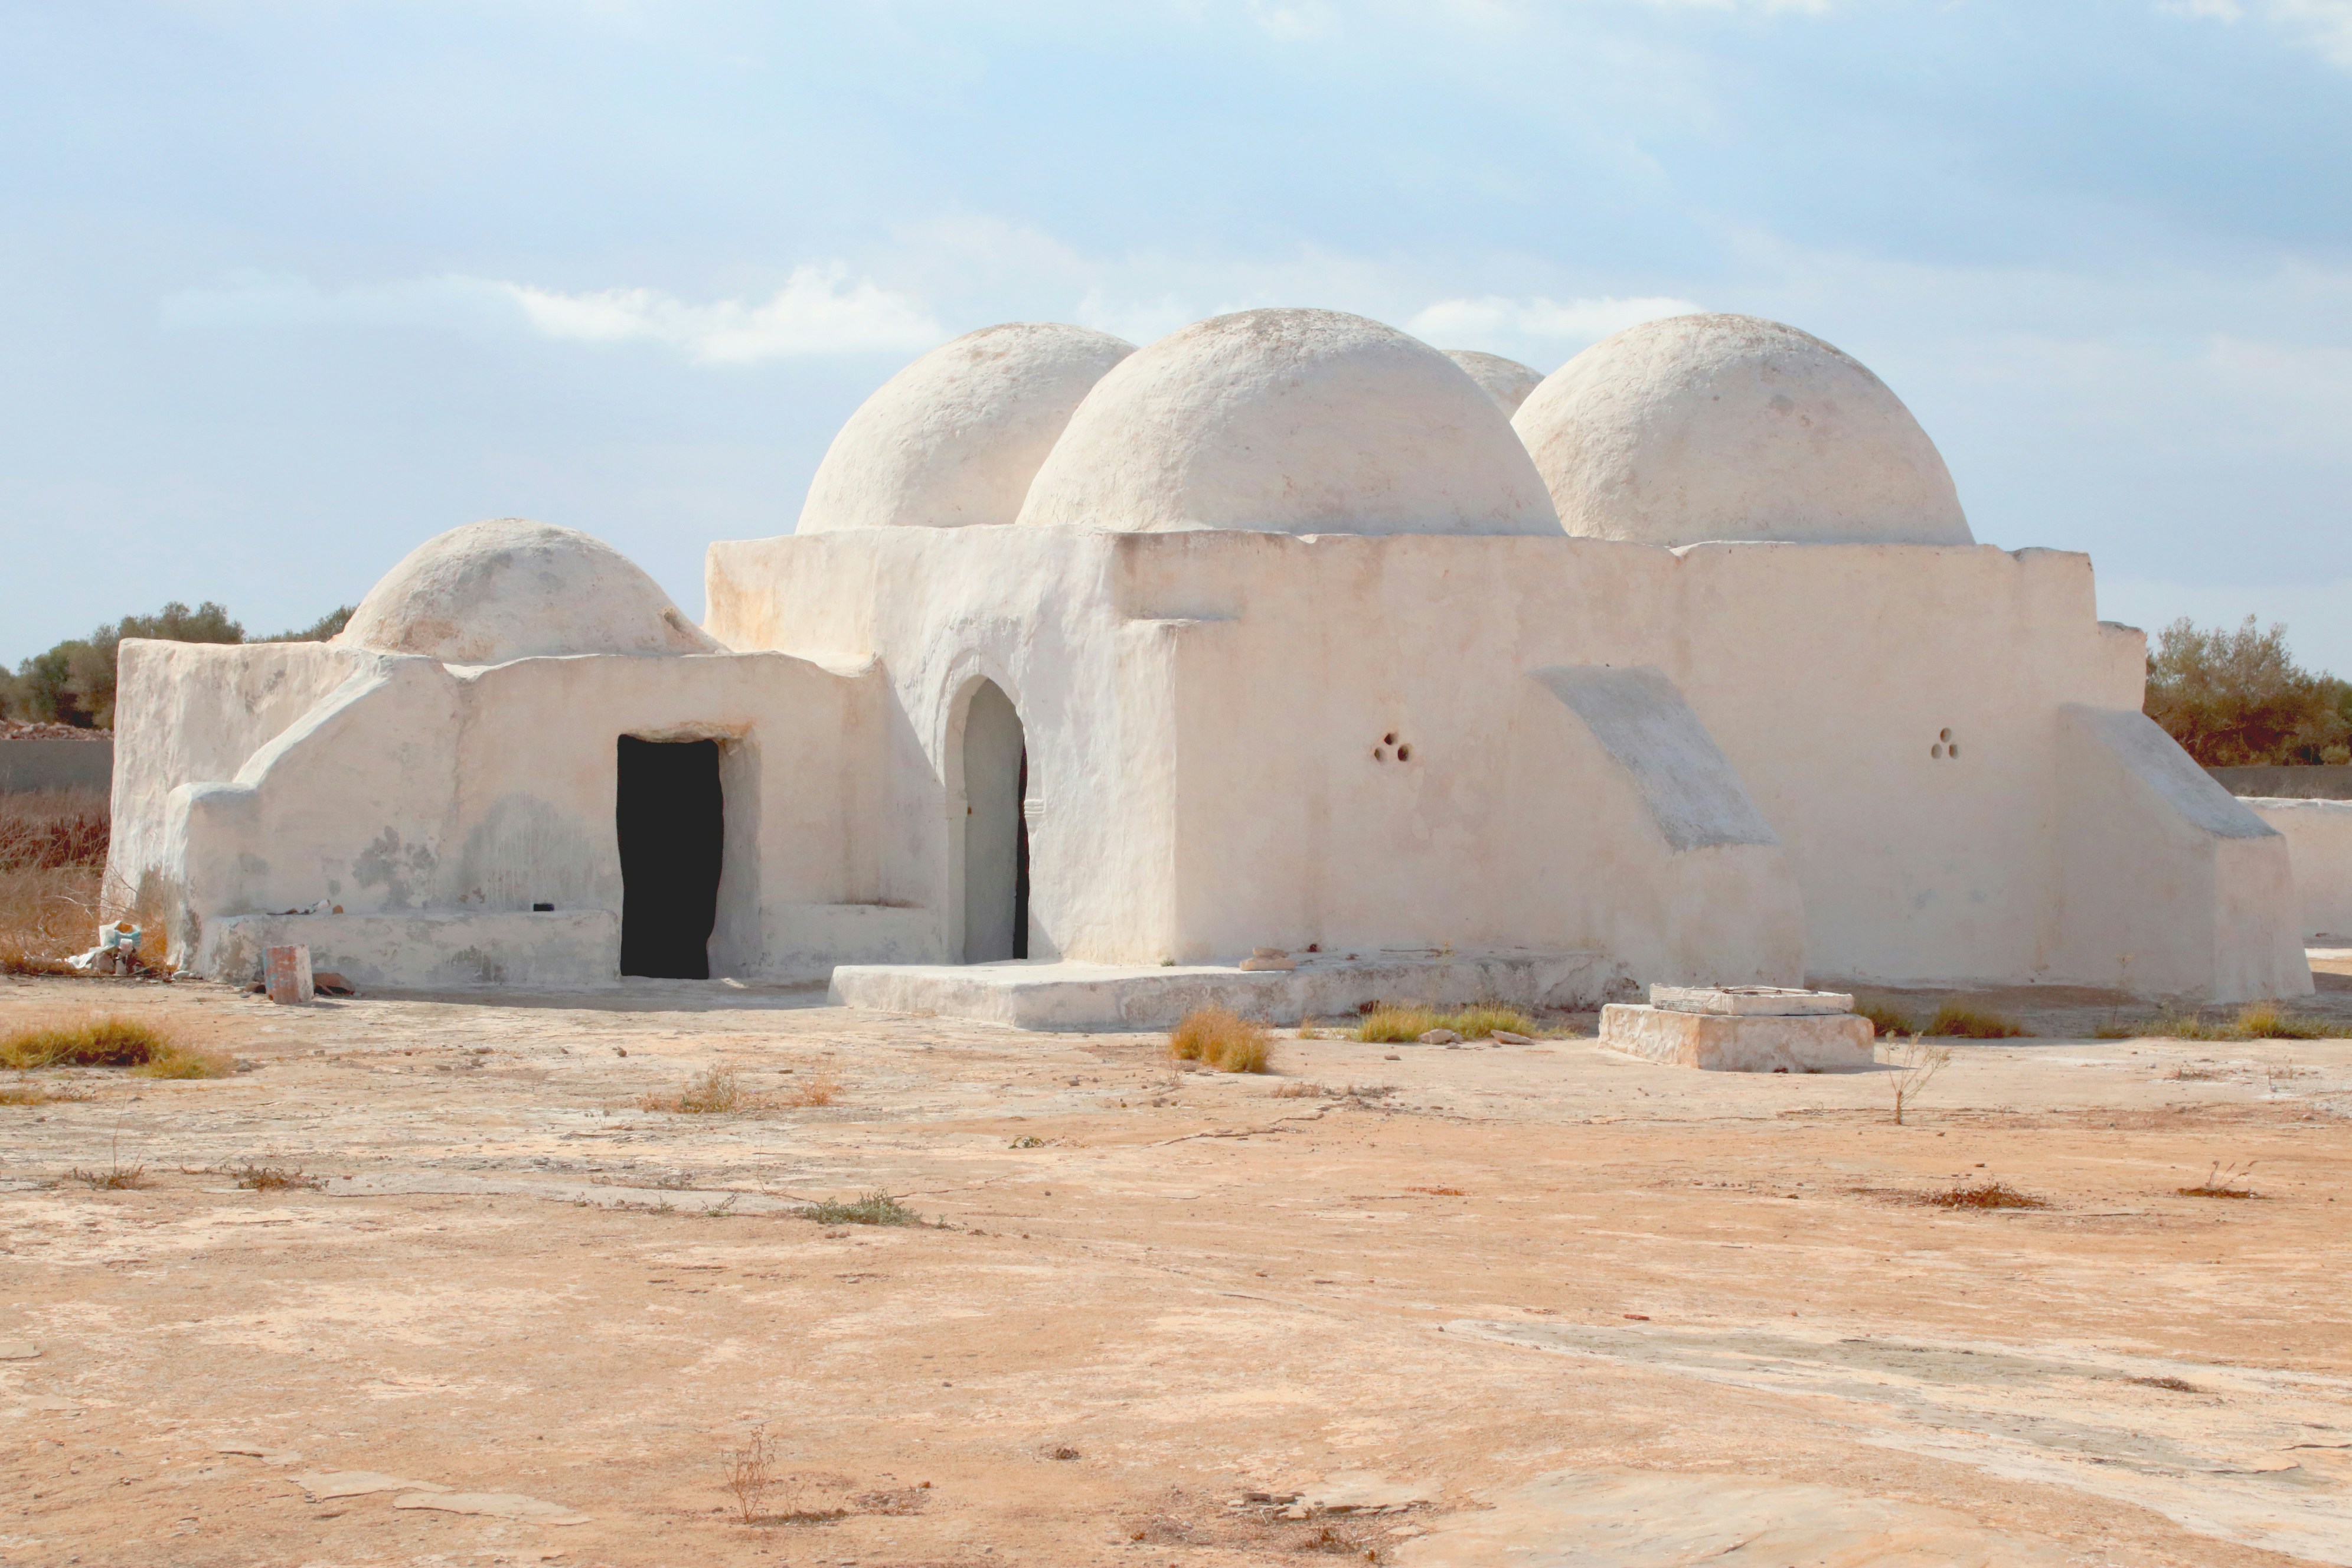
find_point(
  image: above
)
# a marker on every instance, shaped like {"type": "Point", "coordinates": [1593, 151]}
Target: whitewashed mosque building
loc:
{"type": "Point", "coordinates": [1091, 670]}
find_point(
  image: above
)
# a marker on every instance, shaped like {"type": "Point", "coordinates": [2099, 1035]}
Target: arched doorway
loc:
{"type": "Point", "coordinates": [996, 832]}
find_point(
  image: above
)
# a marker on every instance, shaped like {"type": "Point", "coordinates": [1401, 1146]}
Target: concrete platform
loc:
{"type": "Point", "coordinates": [1720, 1042]}
{"type": "Point", "coordinates": [1054, 994]}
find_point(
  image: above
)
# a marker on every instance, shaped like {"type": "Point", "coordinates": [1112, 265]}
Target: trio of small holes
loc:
{"type": "Point", "coordinates": [1945, 745]}
{"type": "Point", "coordinates": [1402, 750]}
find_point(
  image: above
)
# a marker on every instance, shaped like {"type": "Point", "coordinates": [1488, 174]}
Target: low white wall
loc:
{"type": "Point", "coordinates": [423, 951]}
{"type": "Point", "coordinates": [2318, 835]}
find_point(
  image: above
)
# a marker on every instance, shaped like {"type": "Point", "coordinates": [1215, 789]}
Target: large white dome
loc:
{"type": "Point", "coordinates": [512, 588]}
{"type": "Point", "coordinates": [1507, 381]}
{"type": "Point", "coordinates": [954, 438]}
{"type": "Point", "coordinates": [1290, 422]}
{"type": "Point", "coordinates": [1699, 428]}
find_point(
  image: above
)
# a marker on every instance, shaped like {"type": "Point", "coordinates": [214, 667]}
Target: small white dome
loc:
{"type": "Point", "coordinates": [1699, 428]}
{"type": "Point", "coordinates": [512, 588]}
{"type": "Point", "coordinates": [1290, 422]}
{"type": "Point", "coordinates": [1507, 381]}
{"type": "Point", "coordinates": [955, 437]}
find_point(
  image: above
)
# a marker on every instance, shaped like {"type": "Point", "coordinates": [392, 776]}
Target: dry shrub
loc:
{"type": "Point", "coordinates": [877, 1207]}
{"type": "Point", "coordinates": [1984, 1196]}
{"type": "Point", "coordinates": [2223, 1181]}
{"type": "Point", "coordinates": [1299, 1092]}
{"type": "Point", "coordinates": [1954, 1021]}
{"type": "Point", "coordinates": [1220, 1038]}
{"type": "Point", "coordinates": [1915, 1067]}
{"type": "Point", "coordinates": [109, 1042]}
{"type": "Point", "coordinates": [50, 829]}
{"type": "Point", "coordinates": [46, 914]}
{"type": "Point", "coordinates": [823, 1089]}
{"type": "Point", "coordinates": [1388, 1024]}
{"type": "Point", "coordinates": [748, 1474]}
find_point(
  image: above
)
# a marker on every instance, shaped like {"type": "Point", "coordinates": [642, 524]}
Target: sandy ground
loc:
{"type": "Point", "coordinates": [1542, 1306]}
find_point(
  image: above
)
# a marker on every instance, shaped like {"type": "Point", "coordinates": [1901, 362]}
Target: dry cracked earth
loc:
{"type": "Point", "coordinates": [1540, 1305]}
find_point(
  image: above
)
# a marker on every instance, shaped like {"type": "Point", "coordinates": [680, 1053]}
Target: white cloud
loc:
{"type": "Point", "coordinates": [819, 310]}
{"type": "Point", "coordinates": [2325, 26]}
{"type": "Point", "coordinates": [1458, 323]}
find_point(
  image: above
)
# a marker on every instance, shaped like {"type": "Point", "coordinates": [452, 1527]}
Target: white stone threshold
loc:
{"type": "Point", "coordinates": [1046, 994]}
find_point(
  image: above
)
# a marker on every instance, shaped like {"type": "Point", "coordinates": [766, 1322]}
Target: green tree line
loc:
{"type": "Point", "coordinates": [73, 683]}
{"type": "Point", "coordinates": [2236, 698]}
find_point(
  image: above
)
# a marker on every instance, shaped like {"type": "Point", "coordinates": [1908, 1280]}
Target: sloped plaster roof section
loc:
{"type": "Point", "coordinates": [1694, 796]}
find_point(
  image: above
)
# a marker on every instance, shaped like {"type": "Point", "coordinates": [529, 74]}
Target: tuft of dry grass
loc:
{"type": "Point", "coordinates": [877, 1207]}
{"type": "Point", "coordinates": [2223, 1181]}
{"type": "Point", "coordinates": [720, 1092]}
{"type": "Point", "coordinates": [51, 829]}
{"type": "Point", "coordinates": [256, 1178]}
{"type": "Point", "coordinates": [184, 1061]}
{"type": "Point", "coordinates": [1885, 1018]}
{"type": "Point", "coordinates": [823, 1089]}
{"type": "Point", "coordinates": [28, 1090]}
{"type": "Point", "coordinates": [1220, 1038]}
{"type": "Point", "coordinates": [2269, 1021]}
{"type": "Point", "coordinates": [48, 913]}
{"type": "Point", "coordinates": [1954, 1021]}
{"type": "Point", "coordinates": [1387, 1024]}
{"type": "Point", "coordinates": [105, 1041]}
{"type": "Point", "coordinates": [1986, 1194]}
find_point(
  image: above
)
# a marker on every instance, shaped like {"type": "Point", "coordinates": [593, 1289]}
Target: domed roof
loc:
{"type": "Point", "coordinates": [512, 588]}
{"type": "Point", "coordinates": [1507, 381]}
{"type": "Point", "coordinates": [955, 437]}
{"type": "Point", "coordinates": [1697, 427]}
{"type": "Point", "coordinates": [1290, 422]}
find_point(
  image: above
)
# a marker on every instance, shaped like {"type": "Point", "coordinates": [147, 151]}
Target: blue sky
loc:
{"type": "Point", "coordinates": [290, 286]}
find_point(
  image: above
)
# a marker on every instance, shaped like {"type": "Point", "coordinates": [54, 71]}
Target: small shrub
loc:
{"type": "Point", "coordinates": [1886, 1019]}
{"type": "Point", "coordinates": [1984, 1196]}
{"type": "Point", "coordinates": [1953, 1021]}
{"type": "Point", "coordinates": [1299, 1092]}
{"type": "Point", "coordinates": [1916, 1066]}
{"type": "Point", "coordinates": [821, 1090]}
{"type": "Point", "coordinates": [748, 1474]}
{"type": "Point", "coordinates": [873, 1209]}
{"type": "Point", "coordinates": [1481, 1022]}
{"type": "Point", "coordinates": [712, 1093]}
{"type": "Point", "coordinates": [1219, 1039]}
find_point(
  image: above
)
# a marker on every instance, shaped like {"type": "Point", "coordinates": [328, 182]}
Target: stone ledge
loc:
{"type": "Point", "coordinates": [1716, 1042]}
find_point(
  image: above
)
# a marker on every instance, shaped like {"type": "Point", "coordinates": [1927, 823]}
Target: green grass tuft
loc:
{"type": "Point", "coordinates": [1388, 1024]}
{"type": "Point", "coordinates": [873, 1209]}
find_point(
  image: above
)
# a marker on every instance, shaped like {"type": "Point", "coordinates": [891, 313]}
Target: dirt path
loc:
{"type": "Point", "coordinates": [1538, 1305]}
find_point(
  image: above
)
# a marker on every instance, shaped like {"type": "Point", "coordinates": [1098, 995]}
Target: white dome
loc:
{"type": "Point", "coordinates": [1507, 381]}
{"type": "Point", "coordinates": [1699, 427]}
{"type": "Point", "coordinates": [1290, 422]}
{"type": "Point", "coordinates": [955, 437]}
{"type": "Point", "coordinates": [512, 588]}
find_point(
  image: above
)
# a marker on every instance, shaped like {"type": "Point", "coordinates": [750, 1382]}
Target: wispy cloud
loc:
{"type": "Point", "coordinates": [819, 310]}
{"type": "Point", "coordinates": [1464, 322]}
{"type": "Point", "coordinates": [2324, 25]}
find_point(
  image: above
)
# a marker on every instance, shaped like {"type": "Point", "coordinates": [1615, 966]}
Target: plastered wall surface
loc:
{"type": "Point", "coordinates": [2319, 836]}
{"type": "Point", "coordinates": [1214, 720]}
{"type": "Point", "coordinates": [411, 788]}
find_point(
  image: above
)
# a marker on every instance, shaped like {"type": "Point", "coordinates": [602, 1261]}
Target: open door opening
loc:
{"type": "Point", "coordinates": [671, 817]}
{"type": "Point", "coordinates": [995, 830]}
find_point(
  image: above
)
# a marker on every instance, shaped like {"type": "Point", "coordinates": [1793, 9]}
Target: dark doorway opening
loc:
{"type": "Point", "coordinates": [995, 830]}
{"type": "Point", "coordinates": [671, 817]}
